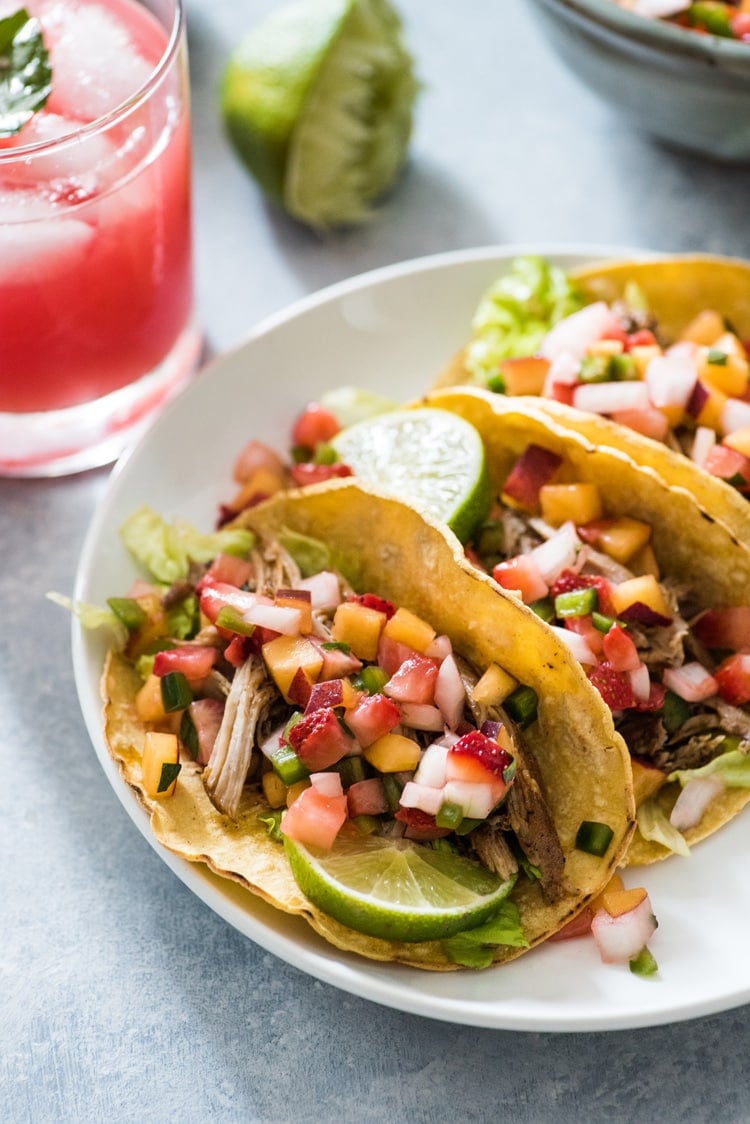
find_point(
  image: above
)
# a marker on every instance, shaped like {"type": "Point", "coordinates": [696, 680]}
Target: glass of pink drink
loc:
{"type": "Point", "coordinates": [96, 295]}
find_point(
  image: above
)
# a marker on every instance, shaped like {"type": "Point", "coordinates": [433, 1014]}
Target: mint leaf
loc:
{"type": "Point", "coordinates": [25, 73]}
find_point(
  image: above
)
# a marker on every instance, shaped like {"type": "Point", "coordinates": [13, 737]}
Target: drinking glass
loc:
{"type": "Point", "coordinates": [96, 291]}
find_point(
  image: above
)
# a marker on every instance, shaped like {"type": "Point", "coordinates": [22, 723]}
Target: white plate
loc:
{"type": "Point", "coordinates": [392, 330]}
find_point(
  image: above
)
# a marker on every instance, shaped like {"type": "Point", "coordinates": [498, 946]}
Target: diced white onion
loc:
{"type": "Point", "coordinates": [415, 795]}
{"type": "Point", "coordinates": [564, 369]}
{"type": "Point", "coordinates": [578, 645]}
{"type": "Point", "coordinates": [440, 648]}
{"type": "Point", "coordinates": [273, 741]}
{"type": "Point", "coordinates": [324, 589]}
{"type": "Point", "coordinates": [703, 443]}
{"type": "Point", "coordinates": [475, 800]}
{"type": "Point", "coordinates": [693, 800]}
{"type": "Point", "coordinates": [450, 694]}
{"type": "Point", "coordinates": [640, 682]}
{"type": "Point", "coordinates": [421, 716]}
{"type": "Point", "coordinates": [670, 379]}
{"type": "Point", "coordinates": [558, 553]}
{"type": "Point", "coordinates": [692, 682]}
{"type": "Point", "coordinates": [327, 784]}
{"type": "Point", "coordinates": [735, 415]}
{"type": "Point", "coordinates": [431, 768]}
{"type": "Point", "coordinates": [275, 617]}
{"type": "Point", "coordinates": [578, 331]}
{"type": "Point", "coordinates": [620, 939]}
{"type": "Point", "coordinates": [611, 397]}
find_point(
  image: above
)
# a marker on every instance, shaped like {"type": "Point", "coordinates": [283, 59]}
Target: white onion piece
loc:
{"type": "Point", "coordinates": [620, 939]}
{"type": "Point", "coordinates": [578, 331]}
{"type": "Point", "coordinates": [421, 716]}
{"type": "Point", "coordinates": [273, 741]}
{"type": "Point", "coordinates": [578, 645]}
{"type": "Point", "coordinates": [422, 796]}
{"type": "Point", "coordinates": [670, 379]}
{"type": "Point", "coordinates": [276, 617]}
{"type": "Point", "coordinates": [656, 9]}
{"type": "Point", "coordinates": [450, 694]}
{"type": "Point", "coordinates": [440, 648]}
{"type": "Point", "coordinates": [324, 590]}
{"type": "Point", "coordinates": [691, 681]}
{"type": "Point", "coordinates": [476, 801]}
{"type": "Point", "coordinates": [735, 415]}
{"type": "Point", "coordinates": [431, 768]}
{"type": "Point", "coordinates": [640, 682]}
{"type": "Point", "coordinates": [611, 397]}
{"type": "Point", "coordinates": [693, 800]}
{"type": "Point", "coordinates": [557, 553]}
{"type": "Point", "coordinates": [563, 370]}
{"type": "Point", "coordinates": [327, 784]}
{"type": "Point", "coordinates": [703, 443]}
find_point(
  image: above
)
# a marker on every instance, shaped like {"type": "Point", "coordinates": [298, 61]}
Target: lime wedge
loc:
{"type": "Point", "coordinates": [318, 101]}
{"type": "Point", "coordinates": [433, 459]}
{"type": "Point", "coordinates": [396, 890]}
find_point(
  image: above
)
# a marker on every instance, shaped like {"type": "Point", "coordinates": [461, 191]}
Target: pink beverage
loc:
{"type": "Point", "coordinates": [96, 291]}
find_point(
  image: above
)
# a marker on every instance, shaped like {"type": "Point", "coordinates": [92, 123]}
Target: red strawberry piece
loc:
{"type": "Point", "coordinates": [476, 746]}
{"type": "Point", "coordinates": [319, 740]}
{"type": "Point", "coordinates": [372, 601]}
{"type": "Point", "coordinates": [420, 825]}
{"type": "Point", "coordinates": [569, 580]}
{"type": "Point", "coordinates": [613, 686]}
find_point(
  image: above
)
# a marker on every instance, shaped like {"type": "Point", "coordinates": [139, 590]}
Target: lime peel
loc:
{"type": "Point", "coordinates": [433, 457]}
{"type": "Point", "coordinates": [396, 890]}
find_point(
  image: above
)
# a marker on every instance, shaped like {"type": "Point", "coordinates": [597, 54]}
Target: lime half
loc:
{"type": "Point", "coordinates": [396, 890]}
{"type": "Point", "coordinates": [318, 101]}
{"type": "Point", "coordinates": [432, 459]}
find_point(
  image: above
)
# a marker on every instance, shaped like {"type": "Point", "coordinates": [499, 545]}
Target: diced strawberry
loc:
{"type": "Point", "coordinates": [372, 717]}
{"type": "Point", "coordinates": [733, 677]}
{"type": "Point", "coordinates": [655, 701]}
{"type": "Point", "coordinates": [327, 694]}
{"type": "Point", "coordinates": [193, 660]}
{"type": "Point", "coordinates": [729, 465]}
{"type": "Point", "coordinates": [300, 688]}
{"type": "Point", "coordinates": [237, 650]}
{"type": "Point", "coordinates": [337, 663]}
{"type": "Point", "coordinates": [319, 740]}
{"type": "Point", "coordinates": [310, 473]}
{"type": "Point", "coordinates": [474, 756]}
{"type": "Point", "coordinates": [314, 426]}
{"type": "Point", "coordinates": [584, 626]}
{"type": "Point", "coordinates": [613, 686]}
{"type": "Point", "coordinates": [560, 392]}
{"type": "Point", "coordinates": [579, 926]}
{"type": "Point", "coordinates": [414, 681]}
{"type": "Point", "coordinates": [620, 650]}
{"type": "Point", "coordinates": [314, 819]}
{"type": "Point", "coordinates": [372, 601]}
{"type": "Point", "coordinates": [642, 337]}
{"type": "Point", "coordinates": [256, 456]}
{"type": "Point", "coordinates": [420, 825]}
{"type": "Point", "coordinates": [206, 715]}
{"type": "Point", "coordinates": [367, 798]}
{"type": "Point", "coordinates": [724, 628]}
{"type": "Point", "coordinates": [215, 596]}
{"type": "Point", "coordinates": [230, 569]}
{"type": "Point", "coordinates": [391, 654]}
{"type": "Point", "coordinates": [522, 574]}
{"type": "Point", "coordinates": [535, 467]}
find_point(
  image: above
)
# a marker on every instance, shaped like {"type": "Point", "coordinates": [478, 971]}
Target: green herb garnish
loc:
{"type": "Point", "coordinates": [25, 73]}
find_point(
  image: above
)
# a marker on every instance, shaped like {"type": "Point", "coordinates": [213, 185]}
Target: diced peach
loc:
{"type": "Point", "coordinates": [647, 780]}
{"type": "Point", "coordinates": [711, 410]}
{"type": "Point", "coordinates": [263, 482]}
{"type": "Point", "coordinates": [296, 599]}
{"type": "Point", "coordinates": [617, 902]}
{"type": "Point", "coordinates": [580, 503]}
{"type": "Point", "coordinates": [642, 356]}
{"type": "Point", "coordinates": [615, 883]}
{"type": "Point", "coordinates": [525, 374]}
{"type": "Point", "coordinates": [644, 589]}
{"type": "Point", "coordinates": [620, 538]}
{"type": "Point", "coordinates": [406, 627]}
{"type": "Point", "coordinates": [728, 376]}
{"type": "Point", "coordinates": [704, 328]}
{"type": "Point", "coordinates": [285, 655]}
{"type": "Point", "coordinates": [739, 441]}
{"type": "Point", "coordinates": [153, 628]}
{"type": "Point", "coordinates": [494, 686]}
{"type": "Point", "coordinates": [606, 347]}
{"type": "Point", "coordinates": [148, 703]}
{"type": "Point", "coordinates": [393, 753]}
{"type": "Point", "coordinates": [159, 749]}
{"type": "Point", "coordinates": [274, 789]}
{"type": "Point", "coordinates": [359, 627]}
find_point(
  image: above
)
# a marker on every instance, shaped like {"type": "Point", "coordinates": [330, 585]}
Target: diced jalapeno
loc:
{"type": "Point", "coordinates": [644, 964]}
{"type": "Point", "coordinates": [232, 621]}
{"type": "Point", "coordinates": [717, 358]}
{"type": "Point", "coordinates": [170, 771]}
{"type": "Point", "coordinates": [467, 825]}
{"type": "Point", "coordinates": [371, 679]}
{"type": "Point", "coordinates": [366, 825]}
{"type": "Point", "coordinates": [128, 611]}
{"type": "Point", "coordinates": [544, 608]}
{"type": "Point", "coordinates": [675, 712]}
{"type": "Point", "coordinates": [576, 602]}
{"type": "Point", "coordinates": [622, 368]}
{"type": "Point", "coordinates": [594, 838]}
{"type": "Point", "coordinates": [595, 368]}
{"type": "Point", "coordinates": [522, 705]}
{"type": "Point", "coordinates": [449, 815]}
{"type": "Point", "coordinates": [189, 734]}
{"type": "Point", "coordinates": [392, 791]}
{"type": "Point", "coordinates": [175, 692]}
{"type": "Point", "coordinates": [351, 770]}
{"type": "Point", "coordinates": [288, 766]}
{"type": "Point", "coordinates": [602, 623]}
{"type": "Point", "coordinates": [496, 383]}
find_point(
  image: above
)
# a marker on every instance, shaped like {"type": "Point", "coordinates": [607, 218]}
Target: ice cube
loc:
{"type": "Point", "coordinates": [96, 63]}
{"type": "Point", "coordinates": [36, 251]}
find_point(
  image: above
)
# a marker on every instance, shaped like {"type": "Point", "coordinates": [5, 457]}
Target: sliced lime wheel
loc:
{"type": "Point", "coordinates": [397, 890]}
{"type": "Point", "coordinates": [432, 459]}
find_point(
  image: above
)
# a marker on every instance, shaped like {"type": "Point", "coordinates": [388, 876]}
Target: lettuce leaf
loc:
{"type": "Point", "coordinates": [166, 549]}
{"type": "Point", "coordinates": [517, 311]}
{"type": "Point", "coordinates": [733, 768]}
{"type": "Point", "coordinates": [93, 616]}
{"type": "Point", "coordinates": [473, 948]}
{"type": "Point", "coordinates": [653, 824]}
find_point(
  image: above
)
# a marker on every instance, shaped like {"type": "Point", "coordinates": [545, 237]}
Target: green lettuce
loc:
{"type": "Point", "coordinates": [653, 824]}
{"type": "Point", "coordinates": [473, 948]}
{"type": "Point", "coordinates": [733, 768]}
{"type": "Point", "coordinates": [166, 549]}
{"type": "Point", "coordinates": [93, 616]}
{"type": "Point", "coordinates": [516, 312]}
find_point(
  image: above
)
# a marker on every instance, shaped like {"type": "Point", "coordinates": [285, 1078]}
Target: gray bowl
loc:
{"type": "Point", "coordinates": [688, 89]}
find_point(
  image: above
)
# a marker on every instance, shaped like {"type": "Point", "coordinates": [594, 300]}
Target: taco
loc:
{"type": "Point", "coordinates": [652, 594]}
{"type": "Point", "coordinates": [544, 804]}
{"type": "Point", "coordinates": [649, 356]}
